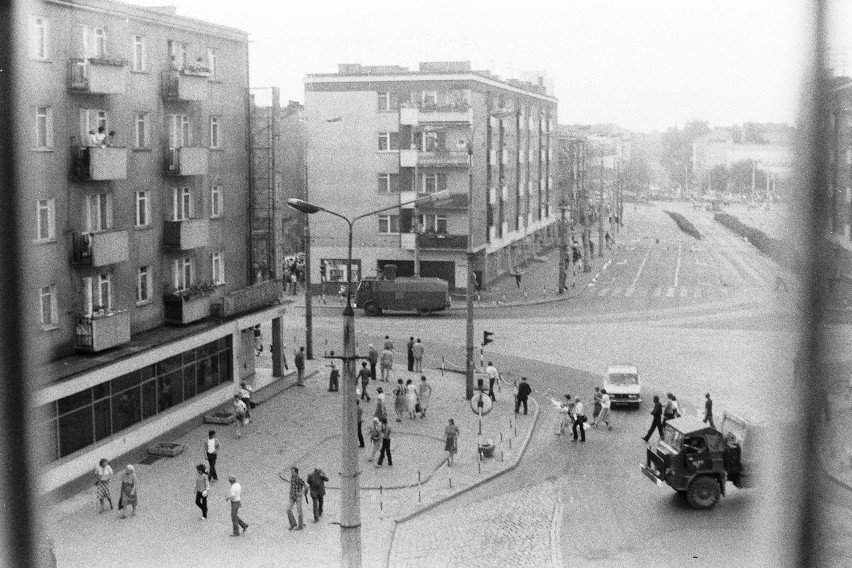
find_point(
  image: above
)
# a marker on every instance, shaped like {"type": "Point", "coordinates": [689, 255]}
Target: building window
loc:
{"type": "Point", "coordinates": [39, 35]}
{"type": "Point", "coordinates": [181, 204]}
{"type": "Point", "coordinates": [215, 135]}
{"type": "Point", "coordinates": [334, 270]}
{"type": "Point", "coordinates": [98, 212]}
{"type": "Point", "coordinates": [143, 209]}
{"type": "Point", "coordinates": [100, 43]}
{"type": "Point", "coordinates": [217, 262]}
{"type": "Point", "coordinates": [429, 99]}
{"type": "Point", "coordinates": [141, 125]}
{"type": "Point", "coordinates": [97, 293]}
{"type": "Point", "coordinates": [211, 63]}
{"type": "Point", "coordinates": [48, 308]}
{"type": "Point", "coordinates": [388, 141]}
{"type": "Point", "coordinates": [138, 53]}
{"type": "Point", "coordinates": [144, 279]}
{"type": "Point", "coordinates": [183, 273]}
{"type": "Point", "coordinates": [388, 183]}
{"type": "Point", "coordinates": [388, 224]}
{"type": "Point", "coordinates": [177, 54]}
{"type": "Point", "coordinates": [433, 182]}
{"type": "Point", "coordinates": [434, 223]}
{"type": "Point", "coordinates": [46, 219]}
{"type": "Point", "coordinates": [91, 120]}
{"type": "Point", "coordinates": [216, 201]}
{"type": "Point", "coordinates": [44, 128]}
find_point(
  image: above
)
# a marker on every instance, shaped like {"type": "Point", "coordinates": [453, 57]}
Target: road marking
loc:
{"type": "Point", "coordinates": [641, 266]}
{"type": "Point", "coordinates": [629, 292]}
{"type": "Point", "coordinates": [677, 268]}
{"type": "Point", "coordinates": [684, 292]}
{"type": "Point", "coordinates": [603, 292]}
{"type": "Point", "coordinates": [670, 292]}
{"type": "Point", "coordinates": [621, 262]}
{"type": "Point", "coordinates": [657, 292]}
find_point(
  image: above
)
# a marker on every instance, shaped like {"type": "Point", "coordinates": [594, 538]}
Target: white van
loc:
{"type": "Point", "coordinates": [623, 384]}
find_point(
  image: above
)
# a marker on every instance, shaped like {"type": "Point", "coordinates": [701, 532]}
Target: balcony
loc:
{"type": "Point", "coordinates": [436, 114]}
{"type": "Point", "coordinates": [441, 241]}
{"type": "Point", "coordinates": [98, 163]}
{"type": "Point", "coordinates": [407, 197]}
{"type": "Point", "coordinates": [98, 76]}
{"type": "Point", "coordinates": [188, 84]}
{"type": "Point", "coordinates": [186, 234]}
{"type": "Point", "coordinates": [100, 249]}
{"type": "Point", "coordinates": [407, 241]}
{"type": "Point", "coordinates": [251, 298]}
{"type": "Point", "coordinates": [184, 308]}
{"type": "Point", "coordinates": [101, 331]}
{"type": "Point", "coordinates": [434, 159]}
{"type": "Point", "coordinates": [187, 161]}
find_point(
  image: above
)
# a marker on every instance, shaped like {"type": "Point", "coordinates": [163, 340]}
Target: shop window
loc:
{"type": "Point", "coordinates": [103, 419]}
{"type": "Point", "coordinates": [126, 408]}
{"type": "Point", "coordinates": [149, 399]}
{"type": "Point", "coordinates": [75, 431]}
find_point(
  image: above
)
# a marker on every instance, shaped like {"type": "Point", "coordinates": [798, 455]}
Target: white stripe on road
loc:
{"type": "Point", "coordinates": [677, 267]}
{"type": "Point", "coordinates": [641, 266]}
{"type": "Point", "coordinates": [616, 291]}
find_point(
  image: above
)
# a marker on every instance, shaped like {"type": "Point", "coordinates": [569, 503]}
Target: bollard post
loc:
{"type": "Point", "coordinates": [516, 431]}
{"type": "Point", "coordinates": [381, 495]}
{"type": "Point", "coordinates": [501, 455]}
{"type": "Point", "coordinates": [479, 466]}
{"type": "Point", "coordinates": [510, 443]}
{"type": "Point", "coordinates": [501, 437]}
{"type": "Point", "coordinates": [419, 498]}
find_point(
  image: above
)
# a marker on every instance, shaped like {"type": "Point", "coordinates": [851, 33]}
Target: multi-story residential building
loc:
{"type": "Point", "coordinates": [381, 136]}
{"type": "Point", "coordinates": [133, 182]}
{"type": "Point", "coordinates": [573, 197]}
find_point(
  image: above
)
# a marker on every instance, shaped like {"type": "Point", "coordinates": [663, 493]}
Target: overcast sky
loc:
{"type": "Point", "coordinates": [645, 65]}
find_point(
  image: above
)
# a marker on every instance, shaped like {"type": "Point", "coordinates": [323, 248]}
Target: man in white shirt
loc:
{"type": "Point", "coordinates": [579, 420]}
{"type": "Point", "coordinates": [212, 448]}
{"type": "Point", "coordinates": [606, 403]}
{"type": "Point", "coordinates": [493, 377]}
{"type": "Point", "coordinates": [235, 497]}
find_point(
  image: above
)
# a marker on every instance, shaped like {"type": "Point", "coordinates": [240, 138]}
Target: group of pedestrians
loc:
{"type": "Point", "coordinates": [662, 413]}
{"type": "Point", "coordinates": [573, 414]}
{"type": "Point", "coordinates": [128, 497]}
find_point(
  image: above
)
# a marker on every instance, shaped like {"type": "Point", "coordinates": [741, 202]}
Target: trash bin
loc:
{"type": "Point", "coordinates": [486, 448]}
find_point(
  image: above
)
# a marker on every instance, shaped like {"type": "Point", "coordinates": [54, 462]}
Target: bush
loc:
{"type": "Point", "coordinates": [770, 246]}
{"type": "Point", "coordinates": [684, 224]}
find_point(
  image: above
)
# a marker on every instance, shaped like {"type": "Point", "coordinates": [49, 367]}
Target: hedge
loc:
{"type": "Point", "coordinates": [684, 224]}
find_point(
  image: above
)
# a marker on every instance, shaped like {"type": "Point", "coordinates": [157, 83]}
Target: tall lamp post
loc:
{"type": "Point", "coordinates": [350, 499]}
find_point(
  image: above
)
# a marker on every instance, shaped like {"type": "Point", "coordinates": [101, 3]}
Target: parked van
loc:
{"type": "Point", "coordinates": [421, 295]}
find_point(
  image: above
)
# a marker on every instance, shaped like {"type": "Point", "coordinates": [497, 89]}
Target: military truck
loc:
{"type": "Point", "coordinates": [405, 294]}
{"type": "Point", "coordinates": [697, 460]}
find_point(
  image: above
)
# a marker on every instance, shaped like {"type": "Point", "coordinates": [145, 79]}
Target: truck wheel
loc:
{"type": "Point", "coordinates": [372, 309]}
{"type": "Point", "coordinates": [703, 493]}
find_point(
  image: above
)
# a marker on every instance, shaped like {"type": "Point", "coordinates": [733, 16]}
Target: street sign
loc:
{"type": "Point", "coordinates": [481, 398]}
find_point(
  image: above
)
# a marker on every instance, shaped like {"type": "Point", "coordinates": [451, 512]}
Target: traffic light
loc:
{"type": "Point", "coordinates": [487, 337]}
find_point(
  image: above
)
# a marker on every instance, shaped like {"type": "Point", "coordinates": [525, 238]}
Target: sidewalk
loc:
{"type": "Point", "coordinates": [297, 426]}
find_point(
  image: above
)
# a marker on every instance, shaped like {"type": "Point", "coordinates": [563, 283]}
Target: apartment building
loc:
{"type": "Point", "coordinates": [384, 135]}
{"type": "Point", "coordinates": [134, 176]}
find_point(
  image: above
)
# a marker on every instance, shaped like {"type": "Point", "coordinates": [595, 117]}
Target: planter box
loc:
{"type": "Point", "coordinates": [251, 298]}
{"type": "Point", "coordinates": [223, 417]}
{"type": "Point", "coordinates": [102, 332]}
{"type": "Point", "coordinates": [182, 311]}
{"type": "Point", "coordinates": [168, 449]}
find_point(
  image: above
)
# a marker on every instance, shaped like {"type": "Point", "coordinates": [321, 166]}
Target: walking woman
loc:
{"type": "Point", "coordinates": [202, 489]}
{"type": "Point", "coordinates": [381, 409]}
{"type": "Point", "coordinates": [670, 411]}
{"type": "Point", "coordinates": [411, 398]}
{"type": "Point", "coordinates": [424, 395]}
{"type": "Point", "coordinates": [399, 402]}
{"type": "Point", "coordinates": [375, 437]}
{"type": "Point", "coordinates": [128, 491]}
{"type": "Point", "coordinates": [451, 445]}
{"type": "Point", "coordinates": [103, 473]}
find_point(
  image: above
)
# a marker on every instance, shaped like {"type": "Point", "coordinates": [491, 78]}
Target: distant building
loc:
{"type": "Point", "coordinates": [400, 134]}
{"type": "Point", "coordinates": [137, 287]}
{"type": "Point", "coordinates": [719, 147]}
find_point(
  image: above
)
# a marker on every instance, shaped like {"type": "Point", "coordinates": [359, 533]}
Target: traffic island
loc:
{"type": "Point", "coordinates": [166, 449]}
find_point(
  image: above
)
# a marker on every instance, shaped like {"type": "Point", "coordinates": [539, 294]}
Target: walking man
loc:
{"type": "Point", "coordinates": [386, 446]}
{"type": "Point", "coordinates": [596, 409]}
{"type": "Point", "coordinates": [418, 356]}
{"type": "Point", "coordinates": [606, 403]}
{"type": "Point", "coordinates": [364, 375]}
{"type": "Point", "coordinates": [360, 420]}
{"type": "Point", "coordinates": [708, 410]}
{"type": "Point", "coordinates": [657, 422]}
{"type": "Point", "coordinates": [524, 391]}
{"type": "Point", "coordinates": [245, 396]}
{"type": "Point", "coordinates": [316, 483]}
{"type": "Point", "coordinates": [300, 367]}
{"type": "Point", "coordinates": [493, 377]}
{"type": "Point", "coordinates": [410, 350]}
{"type": "Point", "coordinates": [373, 357]}
{"type": "Point", "coordinates": [579, 420]}
{"type": "Point", "coordinates": [297, 491]}
{"type": "Point", "coordinates": [240, 419]}
{"type": "Point", "coordinates": [212, 448]}
{"type": "Point", "coordinates": [386, 364]}
{"type": "Point", "coordinates": [235, 497]}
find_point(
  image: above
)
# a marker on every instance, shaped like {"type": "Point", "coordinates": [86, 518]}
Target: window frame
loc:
{"type": "Point", "coordinates": [141, 118]}
{"type": "Point", "coordinates": [144, 282]}
{"type": "Point", "coordinates": [39, 38]}
{"type": "Point", "coordinates": [389, 221]}
{"type": "Point", "coordinates": [212, 60]}
{"type": "Point", "coordinates": [47, 120]}
{"type": "Point", "coordinates": [215, 133]}
{"type": "Point", "coordinates": [180, 266]}
{"type": "Point", "coordinates": [142, 197]}
{"type": "Point", "coordinates": [53, 305]}
{"type": "Point", "coordinates": [102, 205]}
{"type": "Point", "coordinates": [182, 203]}
{"type": "Point", "coordinates": [50, 208]}
{"type": "Point", "coordinates": [139, 54]}
{"type": "Point", "coordinates": [217, 268]}
{"type": "Point", "coordinates": [217, 209]}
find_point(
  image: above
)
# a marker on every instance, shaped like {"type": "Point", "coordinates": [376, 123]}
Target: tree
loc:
{"type": "Point", "coordinates": [676, 156]}
{"type": "Point", "coordinates": [741, 177]}
{"type": "Point", "coordinates": [753, 134]}
{"type": "Point", "coordinates": [717, 178]}
{"type": "Point", "coordinates": [636, 175]}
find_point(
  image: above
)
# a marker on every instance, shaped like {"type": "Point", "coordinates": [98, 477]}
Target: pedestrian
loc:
{"type": "Point", "coordinates": [566, 410]}
{"type": "Point", "coordinates": [258, 341]}
{"type": "Point", "coordinates": [294, 283]}
{"type": "Point", "coordinates": [409, 347]}
{"type": "Point", "coordinates": [670, 410]}
{"type": "Point", "coordinates": [400, 405]}
{"type": "Point", "coordinates": [524, 391]}
{"type": "Point", "coordinates": [240, 419]}
{"type": "Point", "coordinates": [411, 398]}
{"type": "Point", "coordinates": [386, 445]}
{"type": "Point", "coordinates": [202, 489]}
{"type": "Point", "coordinates": [388, 343]}
{"type": "Point", "coordinates": [596, 409]}
{"type": "Point", "coordinates": [386, 362]}
{"type": "Point", "coordinates": [381, 409]}
{"type": "Point", "coordinates": [424, 395]}
{"type": "Point", "coordinates": [373, 358]}
{"type": "Point", "coordinates": [364, 375]}
{"type": "Point", "coordinates": [606, 403]}
{"type": "Point", "coordinates": [579, 420]}
{"type": "Point", "coordinates": [656, 422]}
{"type": "Point", "coordinates": [360, 420]}
{"type": "Point", "coordinates": [708, 410]}
{"type": "Point", "coordinates": [298, 489]}
{"type": "Point", "coordinates": [211, 446]}
{"type": "Point", "coordinates": [316, 485]}
{"type": "Point", "coordinates": [128, 497]}
{"type": "Point", "coordinates": [245, 396]}
{"type": "Point", "coordinates": [333, 376]}
{"type": "Point", "coordinates": [235, 496]}
{"type": "Point", "coordinates": [375, 437]}
{"type": "Point", "coordinates": [451, 445]}
{"type": "Point", "coordinates": [493, 377]}
{"type": "Point", "coordinates": [607, 239]}
{"type": "Point", "coordinates": [300, 367]}
{"type": "Point", "coordinates": [517, 273]}
{"type": "Point", "coordinates": [103, 474]}
{"type": "Point", "coordinates": [591, 248]}
{"type": "Point", "coordinates": [418, 356]}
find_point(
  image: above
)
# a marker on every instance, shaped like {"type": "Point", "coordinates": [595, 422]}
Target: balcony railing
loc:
{"type": "Point", "coordinates": [186, 234]}
{"type": "Point", "coordinates": [98, 163]}
{"type": "Point", "coordinates": [434, 158]}
{"type": "Point", "coordinates": [251, 298]}
{"type": "Point", "coordinates": [98, 75]}
{"type": "Point", "coordinates": [407, 241]}
{"type": "Point", "coordinates": [100, 331]}
{"type": "Point", "coordinates": [184, 309]}
{"type": "Point", "coordinates": [189, 84]}
{"type": "Point", "coordinates": [442, 241]}
{"type": "Point", "coordinates": [187, 161]}
{"type": "Point", "coordinates": [434, 114]}
{"type": "Point", "coordinates": [100, 249]}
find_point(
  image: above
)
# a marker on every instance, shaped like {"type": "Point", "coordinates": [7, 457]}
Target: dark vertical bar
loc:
{"type": "Point", "coordinates": [15, 466]}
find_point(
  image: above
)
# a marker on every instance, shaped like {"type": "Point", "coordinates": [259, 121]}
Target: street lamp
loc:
{"type": "Point", "coordinates": [350, 500]}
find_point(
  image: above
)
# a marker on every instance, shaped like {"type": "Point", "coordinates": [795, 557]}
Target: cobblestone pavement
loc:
{"type": "Point", "coordinates": [509, 530]}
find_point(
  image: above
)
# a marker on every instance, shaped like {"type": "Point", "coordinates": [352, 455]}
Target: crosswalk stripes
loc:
{"type": "Point", "coordinates": [668, 292]}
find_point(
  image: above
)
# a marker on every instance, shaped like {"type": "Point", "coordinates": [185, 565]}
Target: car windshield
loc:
{"type": "Point", "coordinates": [623, 379]}
{"type": "Point", "coordinates": [673, 438]}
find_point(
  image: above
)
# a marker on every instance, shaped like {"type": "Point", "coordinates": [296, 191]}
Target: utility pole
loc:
{"type": "Point", "coordinates": [309, 312]}
{"type": "Point", "coordinates": [471, 278]}
{"type": "Point", "coordinates": [416, 220]}
{"type": "Point", "coordinates": [600, 209]}
{"type": "Point", "coordinates": [563, 246]}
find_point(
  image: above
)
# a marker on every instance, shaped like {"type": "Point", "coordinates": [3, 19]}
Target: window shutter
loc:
{"type": "Point", "coordinates": [442, 182]}
{"type": "Point", "coordinates": [394, 140]}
